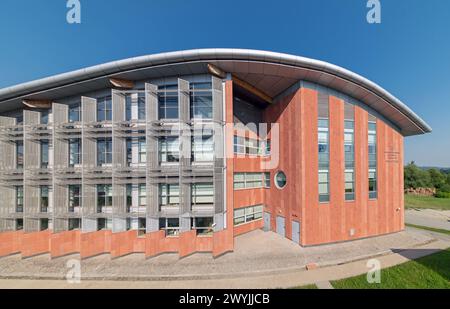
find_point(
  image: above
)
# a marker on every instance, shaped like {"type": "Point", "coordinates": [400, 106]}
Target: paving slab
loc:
{"type": "Point", "coordinates": [257, 253]}
{"type": "Point", "coordinates": [428, 217]}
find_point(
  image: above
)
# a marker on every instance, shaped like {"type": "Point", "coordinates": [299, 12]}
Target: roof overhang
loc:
{"type": "Point", "coordinates": [270, 72]}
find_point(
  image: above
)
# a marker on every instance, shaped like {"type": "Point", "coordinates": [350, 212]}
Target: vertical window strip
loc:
{"type": "Point", "coordinates": [349, 151]}
{"type": "Point", "coordinates": [372, 142]}
{"type": "Point", "coordinates": [324, 146]}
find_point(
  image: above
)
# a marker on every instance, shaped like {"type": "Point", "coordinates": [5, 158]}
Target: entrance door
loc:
{"type": "Point", "coordinates": [281, 227]}
{"type": "Point", "coordinates": [266, 222]}
{"type": "Point", "coordinates": [296, 232]}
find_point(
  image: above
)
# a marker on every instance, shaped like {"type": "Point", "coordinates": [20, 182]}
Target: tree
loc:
{"type": "Point", "coordinates": [437, 178]}
{"type": "Point", "coordinates": [448, 179]}
{"type": "Point", "coordinates": [416, 177]}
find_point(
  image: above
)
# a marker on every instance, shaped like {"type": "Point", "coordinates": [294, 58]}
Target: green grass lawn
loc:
{"type": "Point", "coordinates": [429, 272]}
{"type": "Point", "coordinates": [306, 287]}
{"type": "Point", "coordinates": [432, 229]}
{"type": "Point", "coordinates": [412, 201]}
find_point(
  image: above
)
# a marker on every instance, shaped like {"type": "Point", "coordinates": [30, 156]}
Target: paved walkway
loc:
{"type": "Point", "coordinates": [428, 217]}
{"type": "Point", "coordinates": [260, 260]}
{"type": "Point", "coordinates": [283, 280]}
{"type": "Point", "coordinates": [256, 253]}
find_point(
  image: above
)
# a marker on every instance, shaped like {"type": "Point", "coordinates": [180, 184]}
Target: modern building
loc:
{"type": "Point", "coordinates": [183, 151]}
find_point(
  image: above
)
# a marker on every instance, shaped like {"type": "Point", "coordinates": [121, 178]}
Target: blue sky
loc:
{"type": "Point", "coordinates": [408, 53]}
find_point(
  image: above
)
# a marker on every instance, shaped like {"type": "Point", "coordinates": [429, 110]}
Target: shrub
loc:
{"type": "Point", "coordinates": [445, 188]}
{"type": "Point", "coordinates": [441, 194]}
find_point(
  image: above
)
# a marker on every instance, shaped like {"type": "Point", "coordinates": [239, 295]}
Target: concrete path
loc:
{"type": "Point", "coordinates": [260, 260]}
{"type": "Point", "coordinates": [256, 254]}
{"type": "Point", "coordinates": [428, 217]}
{"type": "Point", "coordinates": [284, 280]}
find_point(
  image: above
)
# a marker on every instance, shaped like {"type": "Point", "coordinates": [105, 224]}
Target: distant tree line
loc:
{"type": "Point", "coordinates": [416, 177]}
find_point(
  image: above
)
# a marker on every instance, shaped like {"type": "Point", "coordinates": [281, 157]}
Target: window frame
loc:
{"type": "Point", "coordinates": [105, 153]}
{"type": "Point", "coordinates": [196, 194]}
{"type": "Point", "coordinates": [73, 196]}
{"type": "Point", "coordinates": [167, 195]}
{"type": "Point", "coordinates": [164, 150]}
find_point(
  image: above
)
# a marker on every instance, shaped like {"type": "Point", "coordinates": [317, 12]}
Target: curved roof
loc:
{"type": "Point", "coordinates": [269, 71]}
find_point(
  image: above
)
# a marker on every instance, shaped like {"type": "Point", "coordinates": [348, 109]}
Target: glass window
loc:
{"type": "Point", "coordinates": [129, 197]}
{"type": "Point", "coordinates": [349, 185]}
{"type": "Point", "coordinates": [74, 197]}
{"type": "Point", "coordinates": [19, 224]}
{"type": "Point", "coordinates": [324, 194]}
{"type": "Point", "coordinates": [170, 225]}
{"type": "Point", "coordinates": [104, 197]}
{"type": "Point", "coordinates": [280, 180]}
{"type": "Point", "coordinates": [43, 224]}
{"type": "Point", "coordinates": [128, 107]}
{"type": "Point", "coordinates": [19, 154]}
{"type": "Point", "coordinates": [142, 150]}
{"type": "Point", "coordinates": [251, 180]}
{"type": "Point", "coordinates": [142, 195]}
{"type": "Point", "coordinates": [141, 106]}
{"type": "Point", "coordinates": [19, 199]}
{"type": "Point", "coordinates": [104, 224]}
{"type": "Point", "coordinates": [267, 180]}
{"type": "Point", "coordinates": [169, 195]}
{"type": "Point", "coordinates": [129, 150]}
{"type": "Point", "coordinates": [74, 224]}
{"type": "Point", "coordinates": [201, 101]}
{"type": "Point", "coordinates": [104, 151]}
{"type": "Point", "coordinates": [202, 193]}
{"type": "Point", "coordinates": [74, 151]}
{"type": "Point", "coordinates": [372, 141]}
{"type": "Point", "coordinates": [239, 181]}
{"type": "Point", "coordinates": [169, 149]}
{"type": "Point", "coordinates": [203, 225]}
{"type": "Point", "coordinates": [265, 148]}
{"type": "Point", "coordinates": [104, 109]}
{"type": "Point", "coordinates": [168, 102]}
{"type": "Point", "coordinates": [142, 226]}
{"type": "Point", "coordinates": [44, 199]}
{"type": "Point", "coordinates": [75, 113]}
{"type": "Point", "coordinates": [248, 214]}
{"type": "Point", "coordinates": [203, 148]}
{"type": "Point", "coordinates": [239, 145]}
{"type": "Point", "coordinates": [44, 154]}
{"type": "Point", "coordinates": [324, 151]}
{"type": "Point", "coordinates": [44, 117]}
{"type": "Point", "coordinates": [251, 146]}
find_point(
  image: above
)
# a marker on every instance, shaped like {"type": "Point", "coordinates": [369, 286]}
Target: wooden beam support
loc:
{"type": "Point", "coordinates": [216, 71]}
{"type": "Point", "coordinates": [260, 94]}
{"type": "Point", "coordinates": [37, 104]}
{"type": "Point", "coordinates": [121, 83]}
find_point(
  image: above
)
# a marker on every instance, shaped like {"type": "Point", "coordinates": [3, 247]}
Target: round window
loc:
{"type": "Point", "coordinates": [280, 180]}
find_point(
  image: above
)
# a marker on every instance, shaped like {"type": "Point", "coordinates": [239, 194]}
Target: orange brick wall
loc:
{"type": "Point", "coordinates": [248, 227]}
{"type": "Point", "coordinates": [10, 243]}
{"type": "Point", "coordinates": [65, 243]}
{"type": "Point", "coordinates": [35, 243]}
{"type": "Point", "coordinates": [297, 116]}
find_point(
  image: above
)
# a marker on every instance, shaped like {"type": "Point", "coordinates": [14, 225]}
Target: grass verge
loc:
{"type": "Point", "coordinates": [429, 272]}
{"type": "Point", "coordinates": [424, 202]}
{"type": "Point", "coordinates": [431, 229]}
